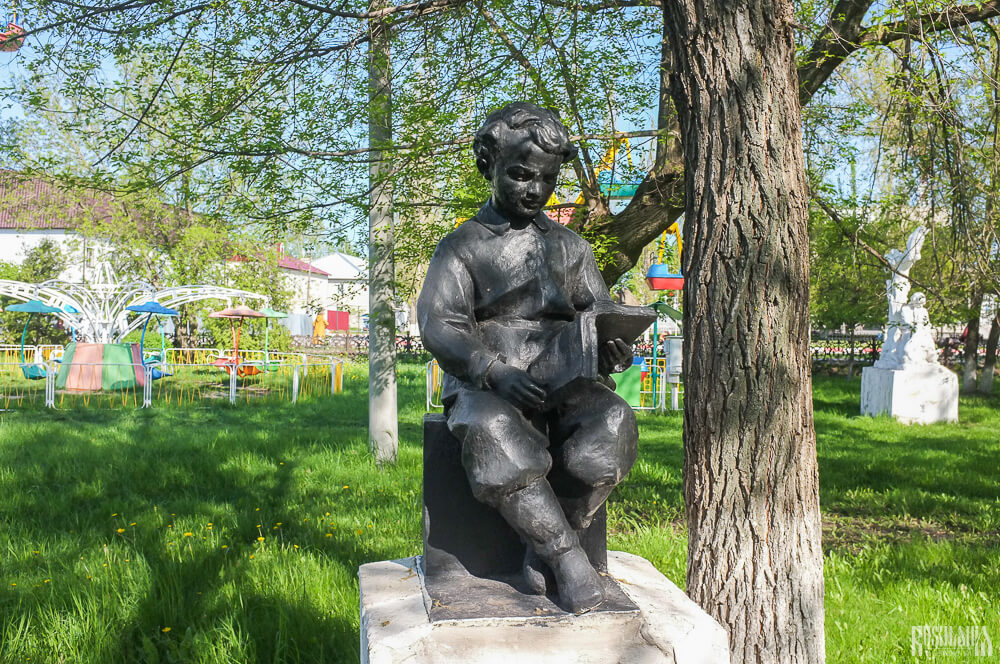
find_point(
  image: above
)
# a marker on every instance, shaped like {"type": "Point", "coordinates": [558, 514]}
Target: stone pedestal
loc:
{"type": "Point", "coordinates": [921, 394]}
{"type": "Point", "coordinates": [648, 620]}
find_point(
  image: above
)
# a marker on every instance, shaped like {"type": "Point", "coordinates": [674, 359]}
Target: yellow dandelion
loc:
{"type": "Point", "coordinates": [47, 580]}
{"type": "Point", "coordinates": [257, 510]}
{"type": "Point", "coordinates": [36, 553]}
{"type": "Point", "coordinates": [260, 539]}
{"type": "Point", "coordinates": [251, 556]}
{"type": "Point", "coordinates": [329, 534]}
{"type": "Point", "coordinates": [13, 585]}
{"type": "Point", "coordinates": [327, 514]}
{"type": "Point", "coordinates": [188, 534]}
{"type": "Point", "coordinates": [281, 463]}
{"type": "Point", "coordinates": [225, 546]}
{"type": "Point", "coordinates": [345, 486]}
{"type": "Point", "coordinates": [296, 545]}
{"type": "Point", "coordinates": [165, 630]}
{"type": "Point", "coordinates": [121, 530]}
{"type": "Point", "coordinates": [132, 524]}
{"type": "Point", "coordinates": [359, 532]}
{"type": "Point", "coordinates": [115, 514]}
{"type": "Point", "coordinates": [278, 523]}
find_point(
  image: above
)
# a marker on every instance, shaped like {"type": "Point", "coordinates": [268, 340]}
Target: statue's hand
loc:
{"type": "Point", "coordinates": [515, 385]}
{"type": "Point", "coordinates": [614, 356]}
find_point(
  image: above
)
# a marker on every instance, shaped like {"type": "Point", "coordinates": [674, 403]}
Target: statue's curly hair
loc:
{"type": "Point", "coordinates": [544, 126]}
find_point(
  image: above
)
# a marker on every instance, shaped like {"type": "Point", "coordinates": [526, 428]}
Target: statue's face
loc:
{"type": "Point", "coordinates": [523, 177]}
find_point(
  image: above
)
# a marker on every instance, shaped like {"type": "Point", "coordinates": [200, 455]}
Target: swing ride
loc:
{"type": "Point", "coordinates": [660, 277]}
{"type": "Point", "coordinates": [11, 37]}
{"type": "Point", "coordinates": [31, 371]}
{"type": "Point", "coordinates": [231, 363]}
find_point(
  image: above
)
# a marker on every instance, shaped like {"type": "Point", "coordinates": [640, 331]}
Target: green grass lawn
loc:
{"type": "Point", "coordinates": [207, 533]}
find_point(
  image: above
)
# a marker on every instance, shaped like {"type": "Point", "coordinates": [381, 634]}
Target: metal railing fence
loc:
{"type": "Point", "coordinates": [115, 385]}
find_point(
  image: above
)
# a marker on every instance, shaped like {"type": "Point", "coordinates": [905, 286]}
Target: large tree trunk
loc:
{"type": "Point", "coordinates": [970, 364]}
{"type": "Point", "coordinates": [751, 487]}
{"type": "Point", "coordinates": [989, 367]}
{"type": "Point", "coordinates": [382, 423]}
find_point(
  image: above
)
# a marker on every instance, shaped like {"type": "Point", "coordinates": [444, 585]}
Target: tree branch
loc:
{"type": "Point", "coordinates": [601, 6]}
{"type": "Point", "coordinates": [419, 8]}
{"type": "Point", "coordinates": [156, 93]}
{"type": "Point", "coordinates": [854, 237]}
{"type": "Point", "coordinates": [844, 34]}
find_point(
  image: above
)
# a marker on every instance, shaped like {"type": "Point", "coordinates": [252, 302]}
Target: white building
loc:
{"type": "Point", "coordinates": [347, 284]}
{"type": "Point", "coordinates": [34, 209]}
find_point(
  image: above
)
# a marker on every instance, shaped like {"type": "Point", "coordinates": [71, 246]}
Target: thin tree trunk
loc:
{"type": "Point", "coordinates": [382, 422]}
{"type": "Point", "coordinates": [989, 367]}
{"type": "Point", "coordinates": [751, 487]}
{"type": "Point", "coordinates": [971, 360]}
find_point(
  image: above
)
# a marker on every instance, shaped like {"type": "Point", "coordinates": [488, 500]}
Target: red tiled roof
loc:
{"type": "Point", "coordinates": [289, 263]}
{"type": "Point", "coordinates": [31, 203]}
{"type": "Point", "coordinates": [293, 263]}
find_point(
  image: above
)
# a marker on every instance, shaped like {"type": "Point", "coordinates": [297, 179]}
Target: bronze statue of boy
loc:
{"type": "Point", "coordinates": [499, 289]}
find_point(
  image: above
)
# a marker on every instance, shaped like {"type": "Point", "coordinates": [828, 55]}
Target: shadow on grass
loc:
{"type": "Point", "coordinates": [142, 485]}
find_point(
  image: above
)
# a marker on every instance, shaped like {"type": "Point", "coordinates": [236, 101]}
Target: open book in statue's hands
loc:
{"type": "Point", "coordinates": [574, 353]}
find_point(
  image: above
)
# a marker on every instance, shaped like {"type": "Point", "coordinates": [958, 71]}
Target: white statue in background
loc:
{"type": "Point", "coordinates": [897, 288]}
{"type": "Point", "coordinates": [919, 348]}
{"type": "Point", "coordinates": [907, 382]}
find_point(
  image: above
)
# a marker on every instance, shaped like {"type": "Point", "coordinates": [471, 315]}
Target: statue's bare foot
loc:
{"type": "Point", "coordinates": [536, 572]}
{"type": "Point", "coordinates": [580, 587]}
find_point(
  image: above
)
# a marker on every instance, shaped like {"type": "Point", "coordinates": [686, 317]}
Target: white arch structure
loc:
{"type": "Point", "coordinates": [101, 315]}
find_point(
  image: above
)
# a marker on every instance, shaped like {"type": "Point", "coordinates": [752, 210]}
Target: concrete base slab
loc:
{"type": "Point", "coordinates": [915, 395]}
{"type": "Point", "coordinates": [665, 627]}
{"type": "Point", "coordinates": [461, 596]}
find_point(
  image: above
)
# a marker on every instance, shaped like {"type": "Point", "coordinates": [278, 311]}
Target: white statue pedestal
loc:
{"type": "Point", "coordinates": [667, 627]}
{"type": "Point", "coordinates": [919, 394]}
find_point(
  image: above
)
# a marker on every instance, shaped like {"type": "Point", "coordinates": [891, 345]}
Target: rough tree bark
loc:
{"type": "Point", "coordinates": [750, 475]}
{"type": "Point", "coordinates": [660, 199]}
{"type": "Point", "coordinates": [382, 424]}
{"type": "Point", "coordinates": [989, 366]}
{"type": "Point", "coordinates": [970, 365]}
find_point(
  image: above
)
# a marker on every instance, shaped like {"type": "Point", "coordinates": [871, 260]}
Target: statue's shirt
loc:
{"type": "Point", "coordinates": [494, 291]}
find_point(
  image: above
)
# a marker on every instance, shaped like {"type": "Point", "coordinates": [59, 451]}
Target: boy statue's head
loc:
{"type": "Point", "coordinates": [520, 150]}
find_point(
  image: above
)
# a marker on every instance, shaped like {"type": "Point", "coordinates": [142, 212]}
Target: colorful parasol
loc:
{"type": "Point", "coordinates": [152, 308]}
{"type": "Point", "coordinates": [236, 314]}
{"type": "Point", "coordinates": [32, 307]}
